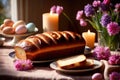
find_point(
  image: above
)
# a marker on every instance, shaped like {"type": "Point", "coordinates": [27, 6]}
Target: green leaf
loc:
{"type": "Point", "coordinates": [92, 23]}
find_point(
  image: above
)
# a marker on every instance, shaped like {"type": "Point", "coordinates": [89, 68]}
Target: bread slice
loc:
{"type": "Point", "coordinates": [89, 63]}
{"type": "Point", "coordinates": [72, 62]}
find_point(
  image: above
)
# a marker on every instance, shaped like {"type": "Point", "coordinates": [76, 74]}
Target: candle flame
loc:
{"type": "Point", "coordinates": [88, 31]}
{"type": "Point", "coordinates": [51, 12]}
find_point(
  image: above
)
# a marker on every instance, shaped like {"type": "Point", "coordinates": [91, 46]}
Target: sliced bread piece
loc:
{"type": "Point", "coordinates": [89, 63]}
{"type": "Point", "coordinates": [72, 62]}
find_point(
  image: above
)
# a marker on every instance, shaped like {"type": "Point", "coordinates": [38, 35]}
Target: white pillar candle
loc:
{"type": "Point", "coordinates": [89, 38]}
{"type": "Point", "coordinates": [50, 21]}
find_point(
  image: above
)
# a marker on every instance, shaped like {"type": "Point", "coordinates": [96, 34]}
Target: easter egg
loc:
{"type": "Point", "coordinates": [20, 22]}
{"type": "Point", "coordinates": [8, 30]}
{"type": "Point", "coordinates": [21, 29]}
{"type": "Point", "coordinates": [97, 76]}
{"type": "Point", "coordinates": [8, 22]}
{"type": "Point", "coordinates": [2, 26]}
{"type": "Point", "coordinates": [30, 27]}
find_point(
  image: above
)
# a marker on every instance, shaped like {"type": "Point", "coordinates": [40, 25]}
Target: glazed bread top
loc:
{"type": "Point", "coordinates": [47, 39]}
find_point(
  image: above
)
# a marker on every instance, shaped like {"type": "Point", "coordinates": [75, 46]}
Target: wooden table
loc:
{"type": "Point", "coordinates": [39, 72]}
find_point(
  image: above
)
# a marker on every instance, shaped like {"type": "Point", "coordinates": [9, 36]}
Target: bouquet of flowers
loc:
{"type": "Point", "coordinates": [104, 18]}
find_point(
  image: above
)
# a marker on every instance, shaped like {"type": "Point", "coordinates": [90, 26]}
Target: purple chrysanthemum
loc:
{"type": "Point", "coordinates": [23, 65]}
{"type": "Point", "coordinates": [105, 19]}
{"type": "Point", "coordinates": [114, 76]}
{"type": "Point", "coordinates": [114, 60]}
{"type": "Point", "coordinates": [89, 10]}
{"type": "Point", "coordinates": [101, 52]}
{"type": "Point", "coordinates": [113, 28]}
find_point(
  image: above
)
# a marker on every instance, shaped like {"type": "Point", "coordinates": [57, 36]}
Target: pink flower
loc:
{"type": "Point", "coordinates": [113, 28]}
{"type": "Point", "coordinates": [114, 60]}
{"type": "Point", "coordinates": [96, 3]}
{"type": "Point", "coordinates": [114, 76]}
{"type": "Point", "coordinates": [53, 9]}
{"type": "Point", "coordinates": [22, 65]}
{"type": "Point", "coordinates": [59, 9]}
{"type": "Point", "coordinates": [101, 52]}
{"type": "Point", "coordinates": [83, 22]}
{"type": "Point", "coordinates": [79, 15]}
{"type": "Point", "coordinates": [117, 7]}
{"type": "Point", "coordinates": [56, 9]}
{"type": "Point", "coordinates": [106, 2]}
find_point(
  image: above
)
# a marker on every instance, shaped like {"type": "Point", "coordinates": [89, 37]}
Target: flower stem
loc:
{"type": "Point", "coordinates": [68, 18]}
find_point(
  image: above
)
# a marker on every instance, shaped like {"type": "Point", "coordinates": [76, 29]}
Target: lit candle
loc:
{"type": "Point", "coordinates": [89, 38]}
{"type": "Point", "coordinates": [50, 21]}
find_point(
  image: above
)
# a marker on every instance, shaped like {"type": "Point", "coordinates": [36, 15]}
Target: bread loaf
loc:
{"type": "Point", "coordinates": [50, 45]}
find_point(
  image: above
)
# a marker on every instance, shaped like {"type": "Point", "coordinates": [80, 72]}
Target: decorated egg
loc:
{"type": "Point", "coordinates": [20, 22]}
{"type": "Point", "coordinates": [8, 22]}
{"type": "Point", "coordinates": [97, 76]}
{"type": "Point", "coordinates": [30, 27]}
{"type": "Point", "coordinates": [8, 30]}
{"type": "Point", "coordinates": [21, 29]}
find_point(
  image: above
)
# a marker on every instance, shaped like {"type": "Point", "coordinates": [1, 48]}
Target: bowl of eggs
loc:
{"type": "Point", "coordinates": [18, 30]}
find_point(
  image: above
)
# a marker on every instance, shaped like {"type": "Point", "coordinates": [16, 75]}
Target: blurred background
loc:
{"type": "Point", "coordinates": [32, 10]}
